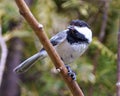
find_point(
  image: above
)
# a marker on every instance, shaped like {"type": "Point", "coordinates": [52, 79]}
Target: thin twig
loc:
{"type": "Point", "coordinates": [38, 29]}
{"type": "Point", "coordinates": [3, 55]}
{"type": "Point", "coordinates": [118, 65]}
{"type": "Point", "coordinates": [104, 20]}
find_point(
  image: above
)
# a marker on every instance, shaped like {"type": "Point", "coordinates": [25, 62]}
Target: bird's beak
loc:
{"type": "Point", "coordinates": [71, 27]}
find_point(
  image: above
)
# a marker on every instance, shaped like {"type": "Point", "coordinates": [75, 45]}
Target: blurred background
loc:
{"type": "Point", "coordinates": [96, 70]}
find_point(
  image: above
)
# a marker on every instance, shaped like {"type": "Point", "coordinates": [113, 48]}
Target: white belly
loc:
{"type": "Point", "coordinates": [69, 53]}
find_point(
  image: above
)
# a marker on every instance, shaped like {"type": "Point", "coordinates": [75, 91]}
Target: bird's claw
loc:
{"type": "Point", "coordinates": [71, 73]}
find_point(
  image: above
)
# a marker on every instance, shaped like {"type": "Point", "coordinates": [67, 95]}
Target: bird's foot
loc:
{"type": "Point", "coordinates": [70, 72]}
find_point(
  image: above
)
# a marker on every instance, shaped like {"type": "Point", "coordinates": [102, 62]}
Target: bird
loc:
{"type": "Point", "coordinates": [70, 44]}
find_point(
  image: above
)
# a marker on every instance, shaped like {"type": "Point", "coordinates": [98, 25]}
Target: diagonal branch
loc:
{"type": "Point", "coordinates": [38, 29]}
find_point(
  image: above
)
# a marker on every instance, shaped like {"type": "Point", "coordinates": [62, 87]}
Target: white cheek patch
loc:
{"type": "Point", "coordinates": [85, 31]}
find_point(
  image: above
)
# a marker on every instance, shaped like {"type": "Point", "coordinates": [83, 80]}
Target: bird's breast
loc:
{"type": "Point", "coordinates": [69, 53]}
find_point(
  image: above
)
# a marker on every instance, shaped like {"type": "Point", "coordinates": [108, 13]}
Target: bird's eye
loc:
{"type": "Point", "coordinates": [81, 25]}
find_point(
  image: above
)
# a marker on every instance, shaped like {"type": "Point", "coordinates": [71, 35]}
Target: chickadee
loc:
{"type": "Point", "coordinates": [70, 44]}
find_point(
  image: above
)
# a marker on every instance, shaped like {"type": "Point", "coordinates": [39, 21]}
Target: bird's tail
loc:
{"type": "Point", "coordinates": [24, 66]}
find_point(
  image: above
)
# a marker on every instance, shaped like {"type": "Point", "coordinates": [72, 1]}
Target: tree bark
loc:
{"type": "Point", "coordinates": [38, 29]}
{"type": "Point", "coordinates": [10, 85]}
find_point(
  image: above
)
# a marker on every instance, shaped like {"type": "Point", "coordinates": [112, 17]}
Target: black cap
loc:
{"type": "Point", "coordinates": [79, 23]}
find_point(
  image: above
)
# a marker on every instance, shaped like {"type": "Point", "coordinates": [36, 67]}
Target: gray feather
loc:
{"type": "Point", "coordinates": [58, 38]}
{"type": "Point", "coordinates": [24, 66]}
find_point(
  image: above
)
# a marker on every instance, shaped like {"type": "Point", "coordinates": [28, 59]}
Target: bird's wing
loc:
{"type": "Point", "coordinates": [58, 38]}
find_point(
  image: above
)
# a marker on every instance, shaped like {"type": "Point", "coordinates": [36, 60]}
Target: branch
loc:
{"type": "Point", "coordinates": [118, 65]}
{"type": "Point", "coordinates": [104, 20]}
{"type": "Point", "coordinates": [14, 57]}
{"type": "Point", "coordinates": [38, 29]}
{"type": "Point", "coordinates": [3, 56]}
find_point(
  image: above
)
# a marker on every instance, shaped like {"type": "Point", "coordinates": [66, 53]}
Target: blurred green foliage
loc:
{"type": "Point", "coordinates": [95, 70]}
